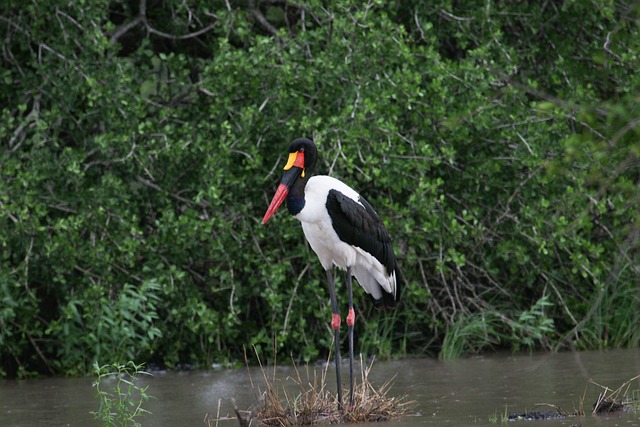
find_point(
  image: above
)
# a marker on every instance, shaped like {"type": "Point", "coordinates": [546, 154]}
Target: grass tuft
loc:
{"type": "Point", "coordinates": [308, 401]}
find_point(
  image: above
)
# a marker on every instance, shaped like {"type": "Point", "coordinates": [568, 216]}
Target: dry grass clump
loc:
{"type": "Point", "coordinates": [610, 400]}
{"type": "Point", "coordinates": [311, 402]}
{"type": "Point", "coordinates": [279, 407]}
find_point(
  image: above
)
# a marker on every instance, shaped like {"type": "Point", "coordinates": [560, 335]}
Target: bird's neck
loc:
{"type": "Point", "coordinates": [295, 198]}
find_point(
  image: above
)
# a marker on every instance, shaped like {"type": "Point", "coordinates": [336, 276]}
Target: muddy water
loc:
{"type": "Point", "coordinates": [465, 392]}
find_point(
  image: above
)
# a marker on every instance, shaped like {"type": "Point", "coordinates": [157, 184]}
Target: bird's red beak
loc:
{"type": "Point", "coordinates": [278, 198]}
{"type": "Point", "coordinates": [292, 170]}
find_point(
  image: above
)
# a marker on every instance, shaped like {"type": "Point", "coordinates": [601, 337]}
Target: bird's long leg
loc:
{"type": "Point", "coordinates": [335, 324]}
{"type": "Point", "coordinates": [351, 320]}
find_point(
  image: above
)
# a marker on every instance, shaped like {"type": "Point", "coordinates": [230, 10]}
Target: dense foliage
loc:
{"type": "Point", "coordinates": [142, 140]}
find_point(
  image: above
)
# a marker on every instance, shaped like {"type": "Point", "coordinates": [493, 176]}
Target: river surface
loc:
{"type": "Point", "coordinates": [465, 392]}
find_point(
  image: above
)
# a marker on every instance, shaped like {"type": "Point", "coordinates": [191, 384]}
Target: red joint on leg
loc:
{"type": "Point", "coordinates": [335, 321]}
{"type": "Point", "coordinates": [351, 317]}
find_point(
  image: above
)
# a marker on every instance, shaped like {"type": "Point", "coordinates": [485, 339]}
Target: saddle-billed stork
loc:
{"type": "Point", "coordinates": [343, 230]}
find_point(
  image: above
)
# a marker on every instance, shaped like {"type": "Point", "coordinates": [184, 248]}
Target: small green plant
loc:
{"type": "Point", "coordinates": [471, 334]}
{"type": "Point", "coordinates": [121, 398]}
{"type": "Point", "coordinates": [533, 325]}
{"type": "Point", "coordinates": [502, 417]}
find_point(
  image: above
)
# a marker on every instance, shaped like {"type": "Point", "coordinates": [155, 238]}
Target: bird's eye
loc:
{"type": "Point", "coordinates": [301, 150]}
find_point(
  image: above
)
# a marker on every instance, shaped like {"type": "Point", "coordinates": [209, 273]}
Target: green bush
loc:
{"type": "Point", "coordinates": [141, 143]}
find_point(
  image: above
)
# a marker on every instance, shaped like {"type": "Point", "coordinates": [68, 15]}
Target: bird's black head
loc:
{"type": "Point", "coordinates": [302, 159]}
{"type": "Point", "coordinates": [309, 154]}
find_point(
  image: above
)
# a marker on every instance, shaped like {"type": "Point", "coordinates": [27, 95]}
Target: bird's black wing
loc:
{"type": "Point", "coordinates": [359, 225]}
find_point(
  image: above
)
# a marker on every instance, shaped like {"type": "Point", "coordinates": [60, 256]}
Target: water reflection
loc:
{"type": "Point", "coordinates": [457, 393]}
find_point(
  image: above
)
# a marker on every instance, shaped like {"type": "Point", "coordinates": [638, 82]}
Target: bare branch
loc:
{"type": "Point", "coordinates": [261, 19]}
{"type": "Point", "coordinates": [32, 116]}
{"type": "Point", "coordinates": [14, 25]}
{"type": "Point", "coordinates": [182, 37]}
{"type": "Point", "coordinates": [142, 19]}
{"type": "Point", "coordinates": [449, 16]}
{"type": "Point", "coordinates": [417, 21]}
{"type": "Point", "coordinates": [125, 28]}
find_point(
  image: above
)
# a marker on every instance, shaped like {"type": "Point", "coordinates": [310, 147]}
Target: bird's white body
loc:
{"type": "Point", "coordinates": [330, 249]}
